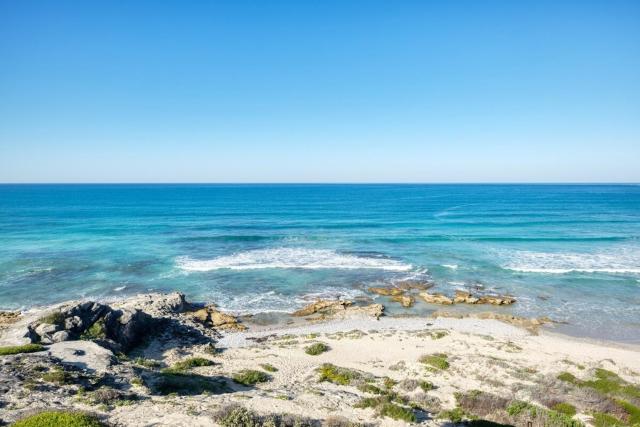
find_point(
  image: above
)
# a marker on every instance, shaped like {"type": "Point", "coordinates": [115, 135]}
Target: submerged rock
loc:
{"type": "Point", "coordinates": [386, 291]}
{"type": "Point", "coordinates": [405, 300]}
{"type": "Point", "coordinates": [414, 285]}
{"type": "Point", "coordinates": [436, 298]}
{"type": "Point", "coordinates": [465, 297]}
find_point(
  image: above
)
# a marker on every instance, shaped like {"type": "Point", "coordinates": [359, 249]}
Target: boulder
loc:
{"type": "Point", "coordinates": [436, 298]}
{"type": "Point", "coordinates": [405, 300]}
{"type": "Point", "coordinates": [127, 327]}
{"type": "Point", "coordinates": [386, 291]}
{"type": "Point", "coordinates": [323, 306]}
{"type": "Point", "coordinates": [60, 336]}
{"type": "Point", "coordinates": [212, 317]}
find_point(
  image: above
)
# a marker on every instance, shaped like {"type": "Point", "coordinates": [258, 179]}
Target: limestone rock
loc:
{"type": "Point", "coordinates": [436, 298]}
{"type": "Point", "coordinates": [322, 306]}
{"type": "Point", "coordinates": [60, 336]}
{"type": "Point", "coordinates": [386, 291]}
{"type": "Point", "coordinates": [497, 300]}
{"type": "Point", "coordinates": [127, 327]}
{"type": "Point", "coordinates": [405, 300]}
{"type": "Point", "coordinates": [465, 297]}
{"type": "Point", "coordinates": [531, 324]}
{"type": "Point", "coordinates": [82, 354]}
{"type": "Point", "coordinates": [211, 316]}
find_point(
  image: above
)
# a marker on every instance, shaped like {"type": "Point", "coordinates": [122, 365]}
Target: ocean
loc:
{"type": "Point", "coordinates": [570, 252]}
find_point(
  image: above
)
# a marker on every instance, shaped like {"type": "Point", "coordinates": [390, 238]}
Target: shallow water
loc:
{"type": "Point", "coordinates": [569, 252]}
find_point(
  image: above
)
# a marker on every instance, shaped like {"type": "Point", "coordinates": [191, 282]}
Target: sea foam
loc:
{"type": "Point", "coordinates": [290, 258]}
{"type": "Point", "coordinates": [614, 262]}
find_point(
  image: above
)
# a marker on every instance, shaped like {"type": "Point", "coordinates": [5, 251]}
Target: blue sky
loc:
{"type": "Point", "coordinates": [319, 91]}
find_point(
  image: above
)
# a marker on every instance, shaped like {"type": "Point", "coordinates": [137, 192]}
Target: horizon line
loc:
{"type": "Point", "coordinates": [332, 183]}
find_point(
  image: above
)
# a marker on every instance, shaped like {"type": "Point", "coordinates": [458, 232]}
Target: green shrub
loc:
{"type": "Point", "coordinates": [57, 376]}
{"type": "Point", "coordinates": [605, 420]}
{"type": "Point", "coordinates": [189, 363]}
{"type": "Point", "coordinates": [337, 375]}
{"type": "Point", "coordinates": [147, 363]}
{"type": "Point", "coordinates": [17, 349]}
{"type": "Point", "coordinates": [370, 388]}
{"type": "Point", "coordinates": [568, 377]}
{"type": "Point", "coordinates": [97, 331]}
{"type": "Point", "coordinates": [59, 419]}
{"type": "Point", "coordinates": [397, 412]}
{"type": "Point", "coordinates": [426, 385]}
{"type": "Point", "coordinates": [237, 416]}
{"type": "Point", "coordinates": [269, 368]}
{"type": "Point", "coordinates": [250, 377]}
{"type": "Point", "coordinates": [565, 408]}
{"type": "Point", "coordinates": [455, 415]}
{"type": "Point", "coordinates": [437, 360]}
{"type": "Point", "coordinates": [316, 349]}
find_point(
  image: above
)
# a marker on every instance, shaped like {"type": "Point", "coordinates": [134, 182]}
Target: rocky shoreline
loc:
{"type": "Point", "coordinates": [157, 359]}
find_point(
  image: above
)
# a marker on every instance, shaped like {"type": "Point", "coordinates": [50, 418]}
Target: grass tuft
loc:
{"type": "Point", "coordinates": [189, 363]}
{"type": "Point", "coordinates": [268, 367]}
{"type": "Point", "coordinates": [436, 360]}
{"type": "Point", "coordinates": [17, 349]}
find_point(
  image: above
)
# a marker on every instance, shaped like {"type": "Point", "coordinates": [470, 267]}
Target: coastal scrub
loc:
{"type": "Point", "coordinates": [59, 419]}
{"type": "Point", "coordinates": [250, 377]}
{"type": "Point", "coordinates": [337, 375]}
{"type": "Point", "coordinates": [316, 349]}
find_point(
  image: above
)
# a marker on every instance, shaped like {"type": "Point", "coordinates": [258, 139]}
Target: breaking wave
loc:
{"type": "Point", "coordinates": [292, 258]}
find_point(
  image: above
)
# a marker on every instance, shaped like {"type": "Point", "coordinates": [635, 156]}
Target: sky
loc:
{"type": "Point", "coordinates": [320, 91]}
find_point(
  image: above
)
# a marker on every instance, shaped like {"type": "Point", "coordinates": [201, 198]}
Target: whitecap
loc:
{"type": "Point", "coordinates": [620, 261]}
{"type": "Point", "coordinates": [291, 258]}
{"type": "Point", "coordinates": [451, 266]}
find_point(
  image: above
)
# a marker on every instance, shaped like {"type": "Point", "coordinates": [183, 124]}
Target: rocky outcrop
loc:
{"type": "Point", "coordinates": [322, 306]}
{"type": "Point", "coordinates": [465, 297]}
{"type": "Point", "coordinates": [212, 317]}
{"type": "Point", "coordinates": [436, 298]}
{"type": "Point", "coordinates": [8, 317]}
{"type": "Point", "coordinates": [85, 355]}
{"type": "Point", "coordinates": [327, 309]}
{"type": "Point", "coordinates": [497, 300]}
{"type": "Point", "coordinates": [405, 300]}
{"type": "Point", "coordinates": [127, 327]}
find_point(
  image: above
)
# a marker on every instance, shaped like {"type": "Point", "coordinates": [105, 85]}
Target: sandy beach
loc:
{"type": "Point", "coordinates": [386, 371]}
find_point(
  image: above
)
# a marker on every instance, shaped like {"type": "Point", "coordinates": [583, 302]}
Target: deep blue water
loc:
{"type": "Point", "coordinates": [571, 252]}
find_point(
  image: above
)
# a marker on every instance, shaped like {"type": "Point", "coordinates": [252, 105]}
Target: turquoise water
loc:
{"type": "Point", "coordinates": [569, 252]}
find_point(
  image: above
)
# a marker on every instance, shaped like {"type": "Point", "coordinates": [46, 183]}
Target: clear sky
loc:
{"type": "Point", "coordinates": [319, 91]}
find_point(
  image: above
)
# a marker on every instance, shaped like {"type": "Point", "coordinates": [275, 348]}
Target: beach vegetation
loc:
{"type": "Point", "coordinates": [59, 419]}
{"type": "Point", "coordinates": [235, 415]}
{"type": "Point", "coordinates": [568, 377]}
{"type": "Point", "coordinates": [189, 363]}
{"type": "Point", "coordinates": [97, 331]}
{"type": "Point", "coordinates": [17, 349]}
{"type": "Point", "coordinates": [337, 375]}
{"type": "Point", "coordinates": [387, 406]}
{"type": "Point", "coordinates": [370, 388]}
{"type": "Point", "coordinates": [268, 367]}
{"type": "Point", "coordinates": [565, 408]}
{"type": "Point", "coordinates": [316, 349]}
{"type": "Point", "coordinates": [147, 363]}
{"type": "Point", "coordinates": [455, 415]}
{"type": "Point", "coordinates": [426, 385]}
{"type": "Point", "coordinates": [436, 360]}
{"type": "Point", "coordinates": [601, 419]}
{"type": "Point", "coordinates": [180, 383]}
{"type": "Point", "coordinates": [57, 376]}
{"type": "Point", "coordinates": [250, 377]}
{"type": "Point", "coordinates": [389, 383]}
{"type": "Point", "coordinates": [409, 384]}
{"type": "Point", "coordinates": [53, 318]}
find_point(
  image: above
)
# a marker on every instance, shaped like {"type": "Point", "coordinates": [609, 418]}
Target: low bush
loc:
{"type": "Point", "coordinates": [250, 377]}
{"type": "Point", "coordinates": [316, 349]}
{"type": "Point", "coordinates": [17, 349]}
{"type": "Point", "coordinates": [59, 419]}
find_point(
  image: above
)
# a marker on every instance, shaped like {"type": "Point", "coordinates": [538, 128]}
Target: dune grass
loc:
{"type": "Point", "coordinates": [17, 349]}
{"type": "Point", "coordinates": [59, 419]}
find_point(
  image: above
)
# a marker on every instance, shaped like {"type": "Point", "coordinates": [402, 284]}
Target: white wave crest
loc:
{"type": "Point", "coordinates": [290, 258]}
{"type": "Point", "coordinates": [450, 266]}
{"type": "Point", "coordinates": [614, 262]}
